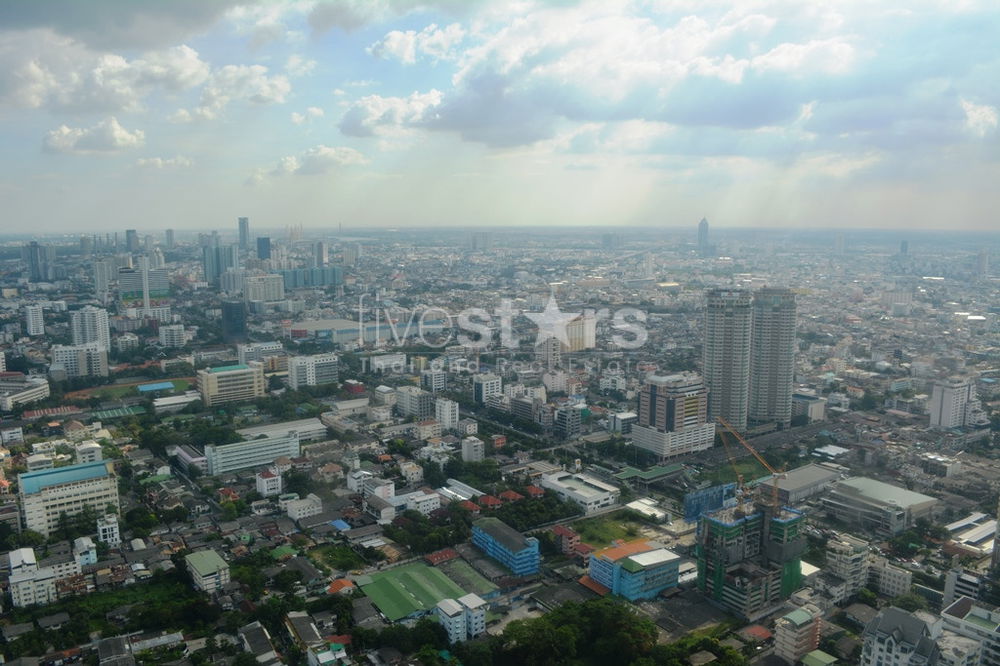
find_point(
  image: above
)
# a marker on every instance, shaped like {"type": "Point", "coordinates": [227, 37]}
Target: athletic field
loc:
{"type": "Point", "coordinates": [411, 588]}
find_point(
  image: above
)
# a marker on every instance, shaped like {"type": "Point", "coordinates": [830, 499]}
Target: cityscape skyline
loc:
{"type": "Point", "coordinates": [453, 114]}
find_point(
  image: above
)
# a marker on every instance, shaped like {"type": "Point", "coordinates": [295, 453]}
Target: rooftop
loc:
{"type": "Point", "coordinates": [34, 482]}
{"type": "Point", "coordinates": [228, 368]}
{"type": "Point", "coordinates": [882, 493]}
{"type": "Point", "coordinates": [506, 535]}
{"type": "Point", "coordinates": [205, 562]}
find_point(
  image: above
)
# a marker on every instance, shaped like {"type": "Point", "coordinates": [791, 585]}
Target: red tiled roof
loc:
{"type": "Point", "coordinates": [339, 585]}
{"type": "Point", "coordinates": [562, 530]}
{"type": "Point", "coordinates": [489, 500]}
{"type": "Point", "coordinates": [439, 556]}
{"type": "Point", "coordinates": [469, 506]}
{"type": "Point", "coordinates": [534, 491]}
{"type": "Point", "coordinates": [511, 495]}
{"type": "Point", "coordinates": [593, 585]}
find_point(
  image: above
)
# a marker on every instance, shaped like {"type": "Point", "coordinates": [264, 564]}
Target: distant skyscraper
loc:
{"type": "Point", "coordinates": [234, 321]}
{"type": "Point", "coordinates": [983, 264]}
{"type": "Point", "coordinates": [86, 245]}
{"type": "Point", "coordinates": [703, 246]}
{"type": "Point", "coordinates": [90, 325]}
{"type": "Point", "coordinates": [131, 240]}
{"type": "Point", "coordinates": [169, 238]}
{"type": "Point", "coordinates": [34, 321]}
{"type": "Point", "coordinates": [40, 260]}
{"type": "Point", "coordinates": [244, 232]}
{"type": "Point", "coordinates": [263, 247]}
{"type": "Point", "coordinates": [904, 248]}
{"type": "Point", "coordinates": [772, 364]}
{"type": "Point", "coordinates": [351, 253]}
{"type": "Point", "coordinates": [839, 243]}
{"type": "Point", "coordinates": [726, 354]}
{"type": "Point", "coordinates": [321, 255]}
{"type": "Point", "coordinates": [216, 260]}
{"type": "Point", "coordinates": [103, 272]}
{"type": "Point", "coordinates": [481, 241]}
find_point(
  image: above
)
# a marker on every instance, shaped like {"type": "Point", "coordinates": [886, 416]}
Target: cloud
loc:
{"type": "Point", "coordinates": [437, 43]}
{"type": "Point", "coordinates": [249, 83]}
{"type": "Point", "coordinates": [41, 70]}
{"type": "Point", "coordinates": [107, 136]}
{"type": "Point", "coordinates": [178, 162]}
{"type": "Point", "coordinates": [318, 160]}
{"type": "Point", "coordinates": [309, 114]}
{"type": "Point", "coordinates": [111, 25]}
{"type": "Point", "coordinates": [297, 65]}
{"type": "Point", "coordinates": [980, 119]}
{"type": "Point", "coordinates": [376, 115]}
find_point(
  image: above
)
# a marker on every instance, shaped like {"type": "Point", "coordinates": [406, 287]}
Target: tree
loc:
{"type": "Point", "coordinates": [910, 602]}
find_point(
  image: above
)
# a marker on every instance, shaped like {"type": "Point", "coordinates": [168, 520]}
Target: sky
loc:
{"type": "Point", "coordinates": [496, 113]}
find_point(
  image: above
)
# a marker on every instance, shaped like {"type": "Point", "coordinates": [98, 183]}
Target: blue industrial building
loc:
{"type": "Point", "coordinates": [507, 546]}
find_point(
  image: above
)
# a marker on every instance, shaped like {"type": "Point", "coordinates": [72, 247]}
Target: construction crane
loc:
{"type": "Point", "coordinates": [746, 445]}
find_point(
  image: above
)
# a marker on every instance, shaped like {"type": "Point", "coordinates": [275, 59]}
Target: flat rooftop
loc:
{"type": "Point", "coordinates": [34, 482]}
{"type": "Point", "coordinates": [882, 493]}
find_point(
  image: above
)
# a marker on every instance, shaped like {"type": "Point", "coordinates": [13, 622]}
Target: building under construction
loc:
{"type": "Point", "coordinates": [749, 557]}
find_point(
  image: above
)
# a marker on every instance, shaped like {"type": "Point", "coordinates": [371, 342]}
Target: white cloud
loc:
{"type": "Point", "coordinates": [376, 115]}
{"type": "Point", "coordinates": [437, 43]}
{"type": "Point", "coordinates": [178, 162]}
{"type": "Point", "coordinates": [250, 83]}
{"type": "Point", "coordinates": [980, 119]}
{"type": "Point", "coordinates": [41, 70]}
{"type": "Point", "coordinates": [827, 56]}
{"type": "Point", "coordinates": [297, 65]}
{"type": "Point", "coordinates": [309, 114]}
{"type": "Point", "coordinates": [318, 160]}
{"type": "Point", "coordinates": [107, 136]}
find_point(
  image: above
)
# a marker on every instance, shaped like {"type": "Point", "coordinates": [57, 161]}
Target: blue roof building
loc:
{"type": "Point", "coordinates": [507, 546]}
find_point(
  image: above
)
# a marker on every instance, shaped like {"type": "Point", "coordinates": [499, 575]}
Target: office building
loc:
{"type": "Point", "coordinates": [263, 288]}
{"type": "Point", "coordinates": [726, 354]}
{"type": "Point", "coordinates": [90, 325]}
{"type": "Point", "coordinates": [103, 274]}
{"type": "Point", "coordinates": [847, 559]}
{"type": "Point", "coordinates": [704, 249]}
{"type": "Point", "coordinates": [955, 404]}
{"type": "Point", "coordinates": [749, 557]}
{"type": "Point", "coordinates": [258, 351]}
{"type": "Point", "coordinates": [314, 370]}
{"type": "Point", "coordinates": [898, 638]}
{"type": "Point", "coordinates": [244, 225]}
{"type": "Point", "coordinates": [263, 247]}
{"type": "Point", "coordinates": [300, 278]}
{"type": "Point", "coordinates": [877, 507]}
{"type": "Point", "coordinates": [209, 572]}
{"type": "Point", "coordinates": [234, 321]}
{"type": "Point", "coordinates": [582, 489]}
{"type": "Point", "coordinates": [19, 389]}
{"type": "Point", "coordinates": [434, 380]}
{"type": "Point", "coordinates": [34, 320]}
{"type": "Point", "coordinates": [634, 570]}
{"type": "Point", "coordinates": [168, 237]}
{"type": "Point", "coordinates": [350, 254]}
{"type": "Point", "coordinates": [462, 619]}
{"type": "Point", "coordinates": [172, 335]}
{"type": "Point", "coordinates": [143, 283]}
{"type": "Point", "coordinates": [797, 633]}
{"type": "Point", "coordinates": [673, 416]}
{"type": "Point", "coordinates": [568, 422]}
{"type": "Point", "coordinates": [47, 494]}
{"type": "Point", "coordinates": [473, 449]}
{"type": "Point", "coordinates": [485, 386]}
{"type": "Point", "coordinates": [772, 356]}
{"type": "Point", "coordinates": [217, 259]}
{"type": "Point", "coordinates": [40, 260]}
{"type": "Point", "coordinates": [507, 546]}
{"type": "Point", "coordinates": [260, 452]}
{"type": "Point", "coordinates": [321, 254]}
{"type": "Point", "coordinates": [88, 360]}
{"type": "Point", "coordinates": [415, 402]}
{"type": "Point", "coordinates": [108, 531]}
{"type": "Point", "coordinates": [231, 383]}
{"type": "Point", "coordinates": [446, 413]}
{"type": "Point", "coordinates": [131, 240]}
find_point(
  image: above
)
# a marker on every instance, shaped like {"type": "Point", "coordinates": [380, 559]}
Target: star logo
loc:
{"type": "Point", "coordinates": [552, 322]}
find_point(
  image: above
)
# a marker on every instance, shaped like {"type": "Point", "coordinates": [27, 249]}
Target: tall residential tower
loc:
{"type": "Point", "coordinates": [772, 356]}
{"type": "Point", "coordinates": [726, 354]}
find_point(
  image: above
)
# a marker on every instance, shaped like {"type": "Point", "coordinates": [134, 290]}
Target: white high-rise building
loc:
{"type": "Point", "coordinates": [673, 416]}
{"type": "Point", "coordinates": [264, 288]}
{"type": "Point", "coordinates": [772, 356]}
{"type": "Point", "coordinates": [104, 271]}
{"type": "Point", "coordinates": [91, 325]}
{"type": "Point", "coordinates": [34, 320]}
{"type": "Point", "coordinates": [81, 360]}
{"type": "Point", "coordinates": [446, 413]}
{"type": "Point", "coordinates": [473, 449]}
{"type": "Point", "coordinates": [485, 386]}
{"type": "Point", "coordinates": [313, 370]}
{"type": "Point", "coordinates": [173, 335]}
{"type": "Point", "coordinates": [954, 404]}
{"type": "Point", "coordinates": [47, 494]}
{"type": "Point", "coordinates": [726, 354]}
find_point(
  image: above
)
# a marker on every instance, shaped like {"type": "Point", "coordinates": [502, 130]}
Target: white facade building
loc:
{"type": "Point", "coordinates": [446, 413]}
{"type": "Point", "coordinates": [89, 325]}
{"type": "Point", "coordinates": [313, 370]}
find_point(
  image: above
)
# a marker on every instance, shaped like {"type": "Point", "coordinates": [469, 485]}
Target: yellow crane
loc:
{"type": "Point", "coordinates": [746, 445]}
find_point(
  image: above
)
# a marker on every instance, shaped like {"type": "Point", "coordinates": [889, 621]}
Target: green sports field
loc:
{"type": "Point", "coordinates": [409, 589]}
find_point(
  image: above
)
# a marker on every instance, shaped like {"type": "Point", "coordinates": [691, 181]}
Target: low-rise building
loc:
{"type": "Point", "coordinates": [209, 572]}
{"type": "Point", "coordinates": [635, 570]}
{"type": "Point", "coordinates": [507, 546]}
{"type": "Point", "coordinates": [797, 633]}
{"type": "Point", "coordinates": [582, 489]}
